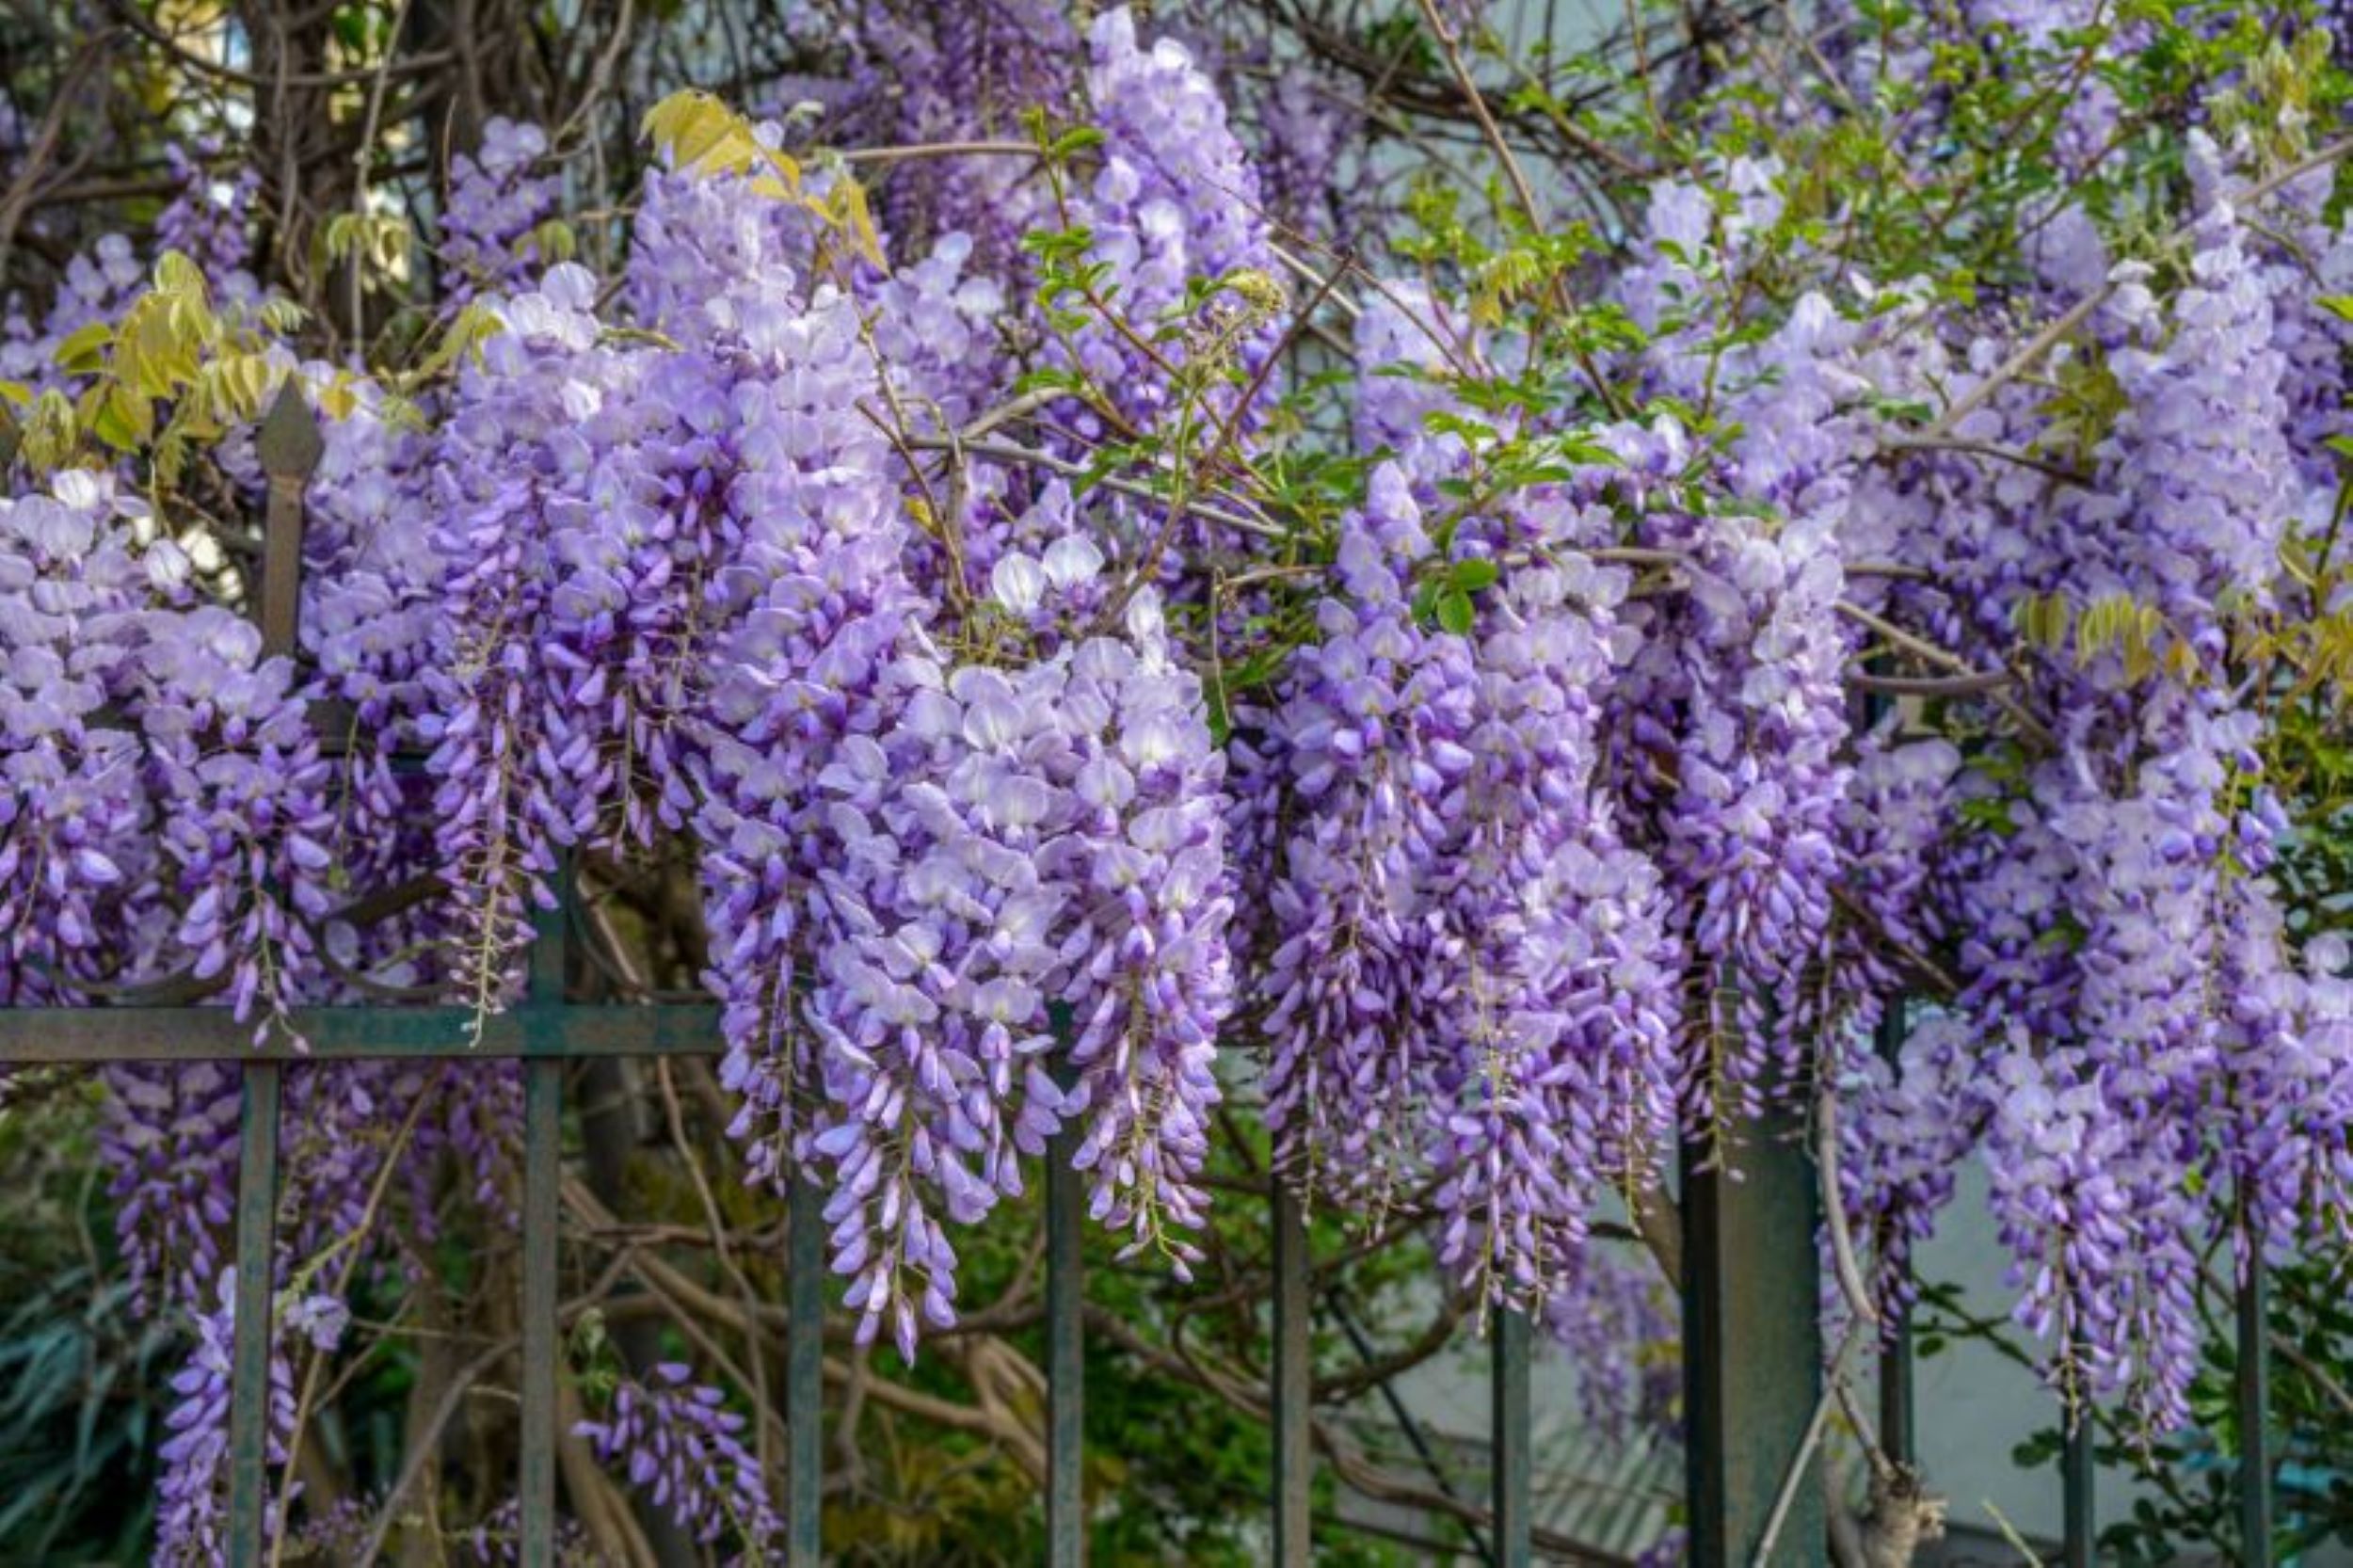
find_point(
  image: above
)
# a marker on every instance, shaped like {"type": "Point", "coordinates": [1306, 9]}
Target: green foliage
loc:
{"type": "Point", "coordinates": [83, 1381]}
{"type": "Point", "coordinates": [2194, 1477]}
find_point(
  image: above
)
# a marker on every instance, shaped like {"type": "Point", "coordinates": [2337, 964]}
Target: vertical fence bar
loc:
{"type": "Point", "coordinates": [2254, 1410]}
{"type": "Point", "coordinates": [1066, 1366]}
{"type": "Point", "coordinates": [543, 1129]}
{"type": "Point", "coordinates": [289, 447]}
{"type": "Point", "coordinates": [804, 1374]}
{"type": "Point", "coordinates": [1753, 1350]}
{"type": "Point", "coordinates": [249, 1358]}
{"type": "Point", "coordinates": [1896, 1358]}
{"type": "Point", "coordinates": [2077, 1545]}
{"type": "Point", "coordinates": [1294, 1386]}
{"type": "Point", "coordinates": [543, 1108]}
{"type": "Point", "coordinates": [1509, 1418]}
{"type": "Point", "coordinates": [1895, 1434]}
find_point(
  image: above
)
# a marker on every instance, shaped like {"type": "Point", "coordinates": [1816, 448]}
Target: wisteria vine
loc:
{"type": "Point", "coordinates": [1678, 652]}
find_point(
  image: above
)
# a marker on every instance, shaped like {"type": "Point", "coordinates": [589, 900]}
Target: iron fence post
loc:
{"type": "Point", "coordinates": [1065, 1366]}
{"type": "Point", "coordinates": [288, 447]}
{"type": "Point", "coordinates": [1294, 1388]}
{"type": "Point", "coordinates": [2254, 1410]}
{"type": "Point", "coordinates": [1752, 1350]}
{"type": "Point", "coordinates": [543, 1173]}
{"type": "Point", "coordinates": [2077, 1463]}
{"type": "Point", "coordinates": [250, 1328]}
{"type": "Point", "coordinates": [1509, 1416]}
{"type": "Point", "coordinates": [1895, 1350]}
{"type": "Point", "coordinates": [804, 1371]}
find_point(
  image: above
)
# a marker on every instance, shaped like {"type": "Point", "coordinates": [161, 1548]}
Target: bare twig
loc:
{"type": "Point", "coordinates": [36, 157]}
{"type": "Point", "coordinates": [1905, 444]}
{"type": "Point", "coordinates": [1005, 452]}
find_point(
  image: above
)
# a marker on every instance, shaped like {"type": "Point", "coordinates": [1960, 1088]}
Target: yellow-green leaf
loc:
{"type": "Point", "coordinates": [83, 351]}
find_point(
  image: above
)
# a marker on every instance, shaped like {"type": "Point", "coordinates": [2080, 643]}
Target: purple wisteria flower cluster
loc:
{"type": "Point", "coordinates": [1083, 689]}
{"type": "Point", "coordinates": [675, 1439]}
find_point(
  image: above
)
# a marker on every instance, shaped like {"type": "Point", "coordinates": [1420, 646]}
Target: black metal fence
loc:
{"type": "Point", "coordinates": [1755, 1388]}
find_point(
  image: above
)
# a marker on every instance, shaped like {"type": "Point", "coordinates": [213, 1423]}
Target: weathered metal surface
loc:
{"type": "Point", "coordinates": [2078, 1526]}
{"type": "Point", "coordinates": [289, 443]}
{"type": "Point", "coordinates": [1294, 1350]}
{"type": "Point", "coordinates": [543, 1176]}
{"type": "Point", "coordinates": [2254, 1417]}
{"type": "Point", "coordinates": [1895, 1413]}
{"type": "Point", "coordinates": [1509, 1418]}
{"type": "Point", "coordinates": [288, 447]}
{"type": "Point", "coordinates": [1066, 1364]}
{"type": "Point", "coordinates": [32, 1034]}
{"type": "Point", "coordinates": [1753, 1353]}
{"type": "Point", "coordinates": [804, 1374]}
{"type": "Point", "coordinates": [543, 1111]}
{"type": "Point", "coordinates": [248, 1361]}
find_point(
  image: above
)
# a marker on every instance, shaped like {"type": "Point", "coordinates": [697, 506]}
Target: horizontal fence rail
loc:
{"type": "Point", "coordinates": [1753, 1355]}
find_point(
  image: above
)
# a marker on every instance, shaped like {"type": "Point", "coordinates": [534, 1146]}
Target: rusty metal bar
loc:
{"type": "Point", "coordinates": [543, 1175]}
{"type": "Point", "coordinates": [1066, 1364]}
{"type": "Point", "coordinates": [804, 1373]}
{"type": "Point", "coordinates": [1293, 1390]}
{"type": "Point", "coordinates": [1753, 1350]}
{"type": "Point", "coordinates": [33, 1035]}
{"type": "Point", "coordinates": [1509, 1418]}
{"type": "Point", "coordinates": [289, 447]}
{"type": "Point", "coordinates": [250, 1345]}
{"type": "Point", "coordinates": [2079, 1529]}
{"type": "Point", "coordinates": [1897, 1420]}
{"type": "Point", "coordinates": [2254, 1412]}
{"type": "Point", "coordinates": [1896, 1407]}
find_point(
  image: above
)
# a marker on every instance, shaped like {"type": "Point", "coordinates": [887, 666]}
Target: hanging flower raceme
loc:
{"type": "Point", "coordinates": [973, 71]}
{"type": "Point", "coordinates": [508, 757]}
{"type": "Point", "coordinates": [1758, 777]}
{"type": "Point", "coordinates": [1148, 973]}
{"type": "Point", "coordinates": [194, 818]}
{"type": "Point", "coordinates": [808, 615]}
{"type": "Point", "coordinates": [1483, 725]}
{"type": "Point", "coordinates": [1174, 203]}
{"type": "Point", "coordinates": [1371, 730]}
{"type": "Point", "coordinates": [241, 788]}
{"type": "Point", "coordinates": [1562, 978]}
{"type": "Point", "coordinates": [488, 240]}
{"type": "Point", "coordinates": [191, 1523]}
{"type": "Point", "coordinates": [78, 867]}
{"type": "Point", "coordinates": [1473, 981]}
{"type": "Point", "coordinates": [1003, 838]}
{"type": "Point", "coordinates": [679, 1444]}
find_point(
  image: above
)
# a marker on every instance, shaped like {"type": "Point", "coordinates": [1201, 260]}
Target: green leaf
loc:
{"type": "Point", "coordinates": [1473, 575]}
{"type": "Point", "coordinates": [1454, 610]}
{"type": "Point", "coordinates": [84, 352]}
